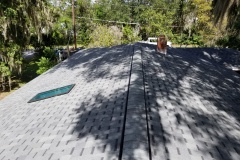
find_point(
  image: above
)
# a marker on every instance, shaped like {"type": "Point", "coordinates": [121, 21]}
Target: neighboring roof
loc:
{"type": "Point", "coordinates": [128, 102]}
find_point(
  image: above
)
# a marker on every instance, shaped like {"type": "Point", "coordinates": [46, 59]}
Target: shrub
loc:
{"type": "Point", "coordinates": [46, 52]}
{"type": "Point", "coordinates": [128, 35]}
{"type": "Point", "coordinates": [44, 64]}
{"type": "Point", "coordinates": [102, 36]}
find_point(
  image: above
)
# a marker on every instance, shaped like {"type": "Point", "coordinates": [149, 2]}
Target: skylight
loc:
{"type": "Point", "coordinates": [52, 93]}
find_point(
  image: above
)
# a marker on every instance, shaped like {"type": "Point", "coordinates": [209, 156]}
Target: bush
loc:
{"type": "Point", "coordinates": [44, 64]}
{"type": "Point", "coordinates": [48, 52]}
{"type": "Point", "coordinates": [129, 36]}
{"type": "Point", "coordinates": [102, 36]}
{"type": "Point", "coordinates": [229, 41]}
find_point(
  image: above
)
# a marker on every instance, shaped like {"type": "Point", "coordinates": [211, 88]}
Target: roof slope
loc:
{"type": "Point", "coordinates": [128, 103]}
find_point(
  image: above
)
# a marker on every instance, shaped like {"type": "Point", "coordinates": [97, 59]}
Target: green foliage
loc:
{"type": "Point", "coordinates": [225, 10]}
{"type": "Point", "coordinates": [83, 34]}
{"type": "Point", "coordinates": [11, 63]}
{"type": "Point", "coordinates": [229, 41]}
{"type": "Point", "coordinates": [223, 41]}
{"type": "Point", "coordinates": [11, 56]}
{"type": "Point", "coordinates": [5, 72]}
{"type": "Point", "coordinates": [44, 64]}
{"type": "Point", "coordinates": [83, 26]}
{"type": "Point", "coordinates": [48, 52]}
{"type": "Point", "coordinates": [103, 36]}
{"type": "Point", "coordinates": [156, 19]}
{"type": "Point", "coordinates": [185, 39]}
{"type": "Point", "coordinates": [55, 37]}
{"type": "Point", "coordinates": [100, 11]}
{"type": "Point", "coordinates": [128, 35]}
{"type": "Point", "coordinates": [231, 35]}
{"type": "Point", "coordinates": [4, 69]}
{"type": "Point", "coordinates": [29, 71]}
{"type": "Point", "coordinates": [42, 24]}
{"type": "Point", "coordinates": [20, 19]}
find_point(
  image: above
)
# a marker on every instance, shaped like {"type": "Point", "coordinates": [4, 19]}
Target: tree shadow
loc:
{"type": "Point", "coordinates": [191, 103]}
{"type": "Point", "coordinates": [195, 99]}
{"type": "Point", "coordinates": [99, 132]}
{"type": "Point", "coordinates": [96, 63]}
{"type": "Point", "coordinates": [99, 125]}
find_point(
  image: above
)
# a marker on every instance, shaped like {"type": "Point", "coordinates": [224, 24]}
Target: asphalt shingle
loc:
{"type": "Point", "coordinates": [128, 103]}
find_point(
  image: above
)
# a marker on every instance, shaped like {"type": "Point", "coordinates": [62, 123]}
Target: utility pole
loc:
{"type": "Point", "coordinates": [74, 25]}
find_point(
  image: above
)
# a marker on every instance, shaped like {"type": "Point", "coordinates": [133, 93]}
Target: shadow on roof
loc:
{"type": "Point", "coordinates": [190, 90]}
{"type": "Point", "coordinates": [191, 87]}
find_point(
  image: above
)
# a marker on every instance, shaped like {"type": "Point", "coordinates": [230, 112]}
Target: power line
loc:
{"type": "Point", "coordinates": [109, 21]}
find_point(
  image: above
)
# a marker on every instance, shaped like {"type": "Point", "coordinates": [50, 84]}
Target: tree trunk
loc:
{"type": "Point", "coordinates": [189, 33]}
{"type": "Point", "coordinates": [10, 83]}
{"type": "Point", "coordinates": [20, 70]}
{"type": "Point", "coordinates": [3, 83]}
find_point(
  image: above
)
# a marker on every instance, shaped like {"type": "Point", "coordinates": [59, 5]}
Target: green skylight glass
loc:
{"type": "Point", "coordinates": [52, 93]}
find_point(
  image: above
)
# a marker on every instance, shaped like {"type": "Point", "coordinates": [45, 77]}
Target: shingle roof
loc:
{"type": "Point", "coordinates": [128, 103]}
